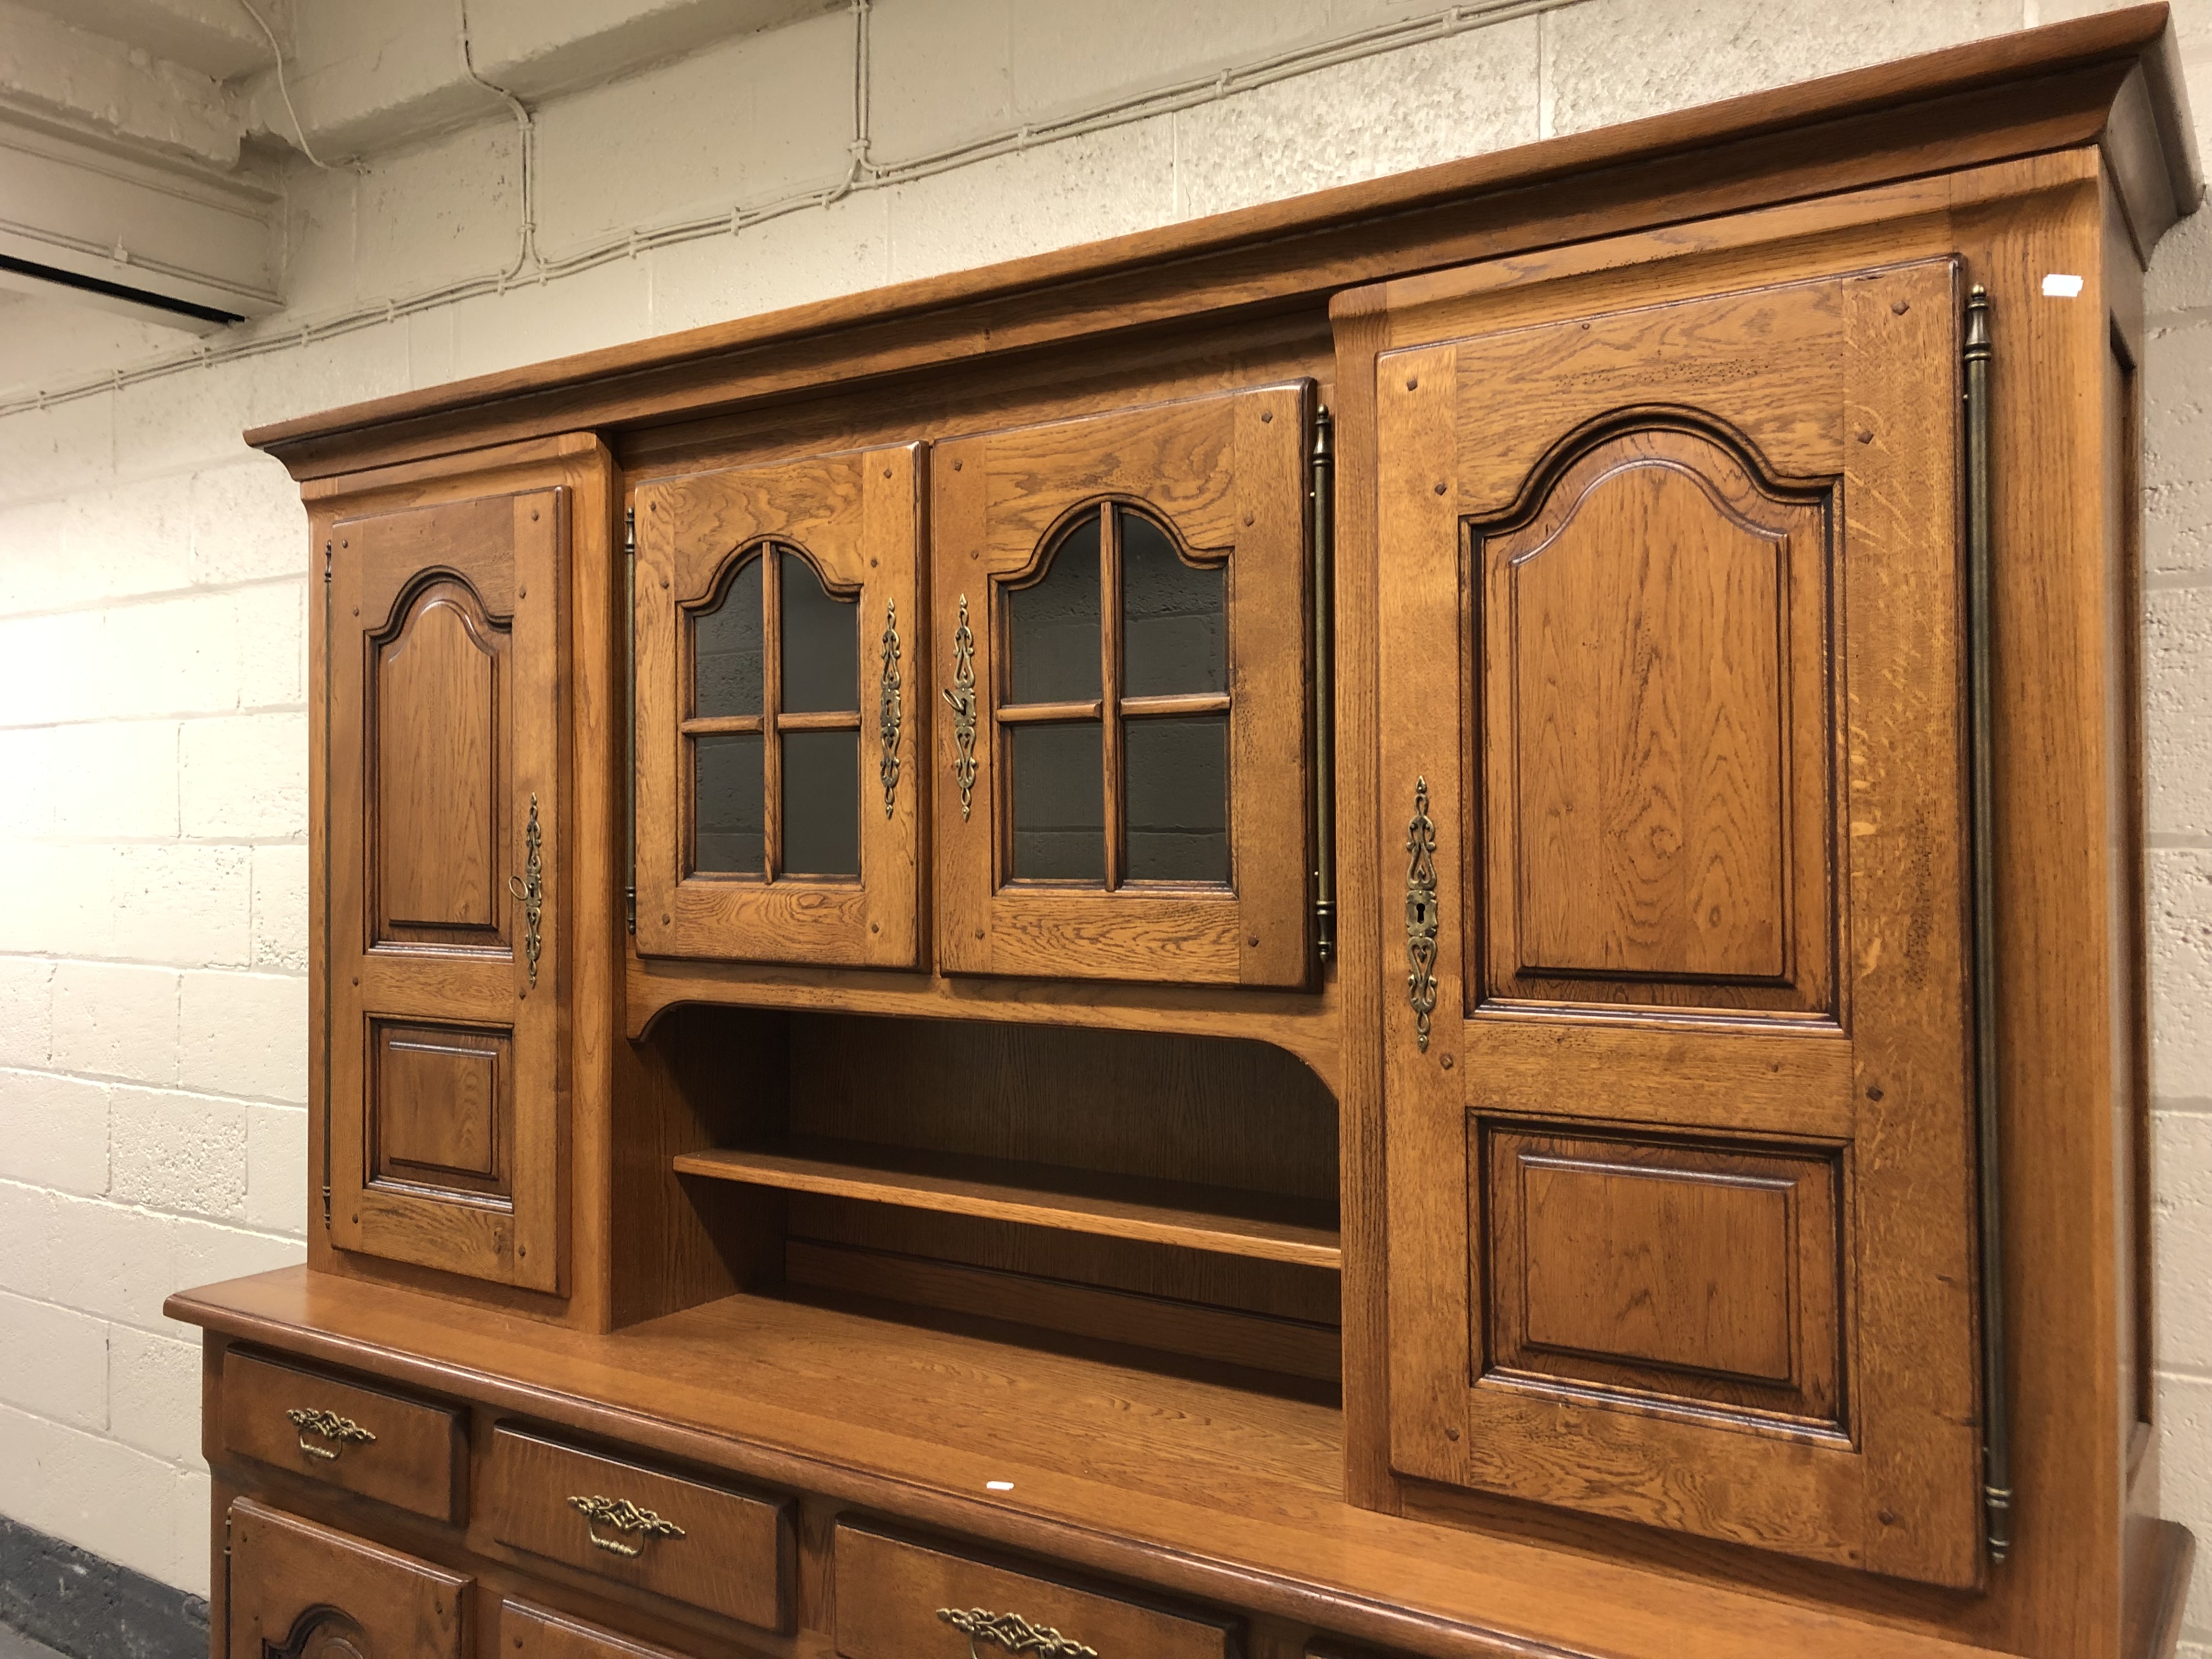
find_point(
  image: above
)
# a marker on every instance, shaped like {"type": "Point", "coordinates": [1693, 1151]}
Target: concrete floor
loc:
{"type": "Point", "coordinates": [15, 1646]}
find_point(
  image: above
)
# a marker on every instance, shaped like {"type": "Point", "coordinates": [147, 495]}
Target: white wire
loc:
{"type": "Point", "coordinates": [285, 92]}
{"type": "Point", "coordinates": [526, 253]}
{"type": "Point", "coordinates": [862, 173]}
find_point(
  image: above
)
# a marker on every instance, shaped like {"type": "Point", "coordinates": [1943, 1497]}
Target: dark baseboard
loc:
{"type": "Point", "coordinates": [88, 1606]}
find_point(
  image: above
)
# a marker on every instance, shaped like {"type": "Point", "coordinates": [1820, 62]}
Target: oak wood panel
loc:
{"type": "Point", "coordinates": [730, 1554]}
{"type": "Point", "coordinates": [1305, 1025]}
{"type": "Point", "coordinates": [441, 1101]}
{"type": "Point", "coordinates": [529, 1633]}
{"type": "Point", "coordinates": [1228, 1334]}
{"type": "Point", "coordinates": [1226, 475]}
{"type": "Point", "coordinates": [1887, 120]}
{"type": "Point", "coordinates": [1358, 971]}
{"type": "Point", "coordinates": [1310, 1296]}
{"type": "Point", "coordinates": [416, 1460]}
{"type": "Point", "coordinates": [301, 1591]}
{"type": "Point", "coordinates": [1207, 1491]}
{"type": "Point", "coordinates": [1643, 831]}
{"type": "Point", "coordinates": [440, 772]}
{"type": "Point", "coordinates": [1678, 1274]}
{"type": "Point", "coordinates": [892, 1594]}
{"type": "Point", "coordinates": [1865, 394]}
{"type": "Point", "coordinates": [1218, 1110]}
{"type": "Point", "coordinates": [857, 518]}
{"type": "Point", "coordinates": [1759, 1081]}
{"type": "Point", "coordinates": [1657, 810]}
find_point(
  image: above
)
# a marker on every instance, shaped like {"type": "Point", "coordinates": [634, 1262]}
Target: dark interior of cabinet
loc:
{"type": "Point", "coordinates": [1165, 1200]}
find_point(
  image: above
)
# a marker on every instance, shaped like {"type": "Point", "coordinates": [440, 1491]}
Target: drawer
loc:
{"type": "Point", "coordinates": [714, 1548]}
{"type": "Point", "coordinates": [902, 1601]}
{"type": "Point", "coordinates": [296, 1587]}
{"type": "Point", "coordinates": [384, 1446]}
{"type": "Point", "coordinates": [528, 1633]}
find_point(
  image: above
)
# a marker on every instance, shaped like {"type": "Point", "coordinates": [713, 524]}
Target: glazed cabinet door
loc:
{"type": "Point", "coordinates": [1121, 650]}
{"type": "Point", "coordinates": [1678, 1116]}
{"type": "Point", "coordinates": [303, 1591]}
{"type": "Point", "coordinates": [448, 880]}
{"type": "Point", "coordinates": [778, 630]}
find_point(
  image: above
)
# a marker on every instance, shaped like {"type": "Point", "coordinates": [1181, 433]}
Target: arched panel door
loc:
{"type": "Point", "coordinates": [1122, 768]}
{"type": "Point", "coordinates": [1677, 1080]}
{"type": "Point", "coordinates": [780, 700]}
{"type": "Point", "coordinates": [446, 672]}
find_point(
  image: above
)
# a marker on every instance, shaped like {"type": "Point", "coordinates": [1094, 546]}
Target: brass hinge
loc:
{"type": "Point", "coordinates": [629, 658]}
{"type": "Point", "coordinates": [1324, 506]}
{"type": "Point", "coordinates": [326, 562]}
{"type": "Point", "coordinates": [1997, 1435]}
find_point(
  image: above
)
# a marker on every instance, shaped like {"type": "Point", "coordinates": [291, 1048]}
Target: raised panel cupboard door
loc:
{"type": "Point", "coordinates": [302, 1591]}
{"type": "Point", "coordinates": [1676, 1064]}
{"type": "Point", "coordinates": [447, 883]}
{"type": "Point", "coordinates": [782, 712]}
{"type": "Point", "coordinates": [1119, 660]}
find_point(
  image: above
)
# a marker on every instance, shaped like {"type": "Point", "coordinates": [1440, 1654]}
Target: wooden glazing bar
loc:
{"type": "Point", "coordinates": [1109, 686]}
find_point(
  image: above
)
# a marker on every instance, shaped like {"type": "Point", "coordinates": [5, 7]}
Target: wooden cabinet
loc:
{"type": "Point", "coordinates": [1121, 644]}
{"type": "Point", "coordinates": [446, 707]}
{"type": "Point", "coordinates": [1698, 1199]}
{"type": "Point", "coordinates": [298, 1590]}
{"type": "Point", "coordinates": [899, 1600]}
{"type": "Point", "coordinates": [704, 1545]}
{"type": "Point", "coordinates": [780, 712]}
{"type": "Point", "coordinates": [400, 1451]}
{"type": "Point", "coordinates": [1678, 1096]}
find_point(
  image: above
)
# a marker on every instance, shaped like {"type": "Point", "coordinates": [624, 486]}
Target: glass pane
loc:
{"type": "Point", "coordinates": [726, 644]}
{"type": "Point", "coordinates": [1059, 802]}
{"type": "Point", "coordinates": [1178, 779]}
{"type": "Point", "coordinates": [1174, 636]}
{"type": "Point", "coordinates": [822, 803]}
{"type": "Point", "coordinates": [1054, 623]}
{"type": "Point", "coordinates": [821, 643]}
{"type": "Point", "coordinates": [732, 825]}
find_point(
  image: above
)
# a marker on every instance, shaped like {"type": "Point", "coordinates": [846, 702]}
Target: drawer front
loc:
{"type": "Point", "coordinates": [714, 1548]}
{"type": "Point", "coordinates": [528, 1633]}
{"type": "Point", "coordinates": [400, 1451]}
{"type": "Point", "coordinates": [902, 1601]}
{"type": "Point", "coordinates": [302, 1589]}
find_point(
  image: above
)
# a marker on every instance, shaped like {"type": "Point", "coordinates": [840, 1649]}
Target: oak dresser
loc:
{"type": "Point", "coordinates": [1406, 923]}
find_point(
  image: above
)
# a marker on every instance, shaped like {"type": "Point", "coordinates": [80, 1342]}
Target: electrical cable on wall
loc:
{"type": "Point", "coordinates": [284, 91]}
{"type": "Point", "coordinates": [863, 172]}
{"type": "Point", "coordinates": [526, 253]}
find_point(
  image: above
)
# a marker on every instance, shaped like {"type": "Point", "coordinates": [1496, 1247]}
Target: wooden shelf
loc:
{"type": "Point", "coordinates": [1221, 1219]}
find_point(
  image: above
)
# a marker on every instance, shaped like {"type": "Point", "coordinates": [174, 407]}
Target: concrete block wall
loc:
{"type": "Point", "coordinates": [153, 576]}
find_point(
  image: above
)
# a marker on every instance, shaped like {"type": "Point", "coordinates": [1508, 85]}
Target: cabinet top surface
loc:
{"type": "Point", "coordinates": [1113, 1468]}
{"type": "Point", "coordinates": [1893, 120]}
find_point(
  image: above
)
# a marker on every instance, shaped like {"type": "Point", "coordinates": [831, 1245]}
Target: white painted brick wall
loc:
{"type": "Point", "coordinates": [153, 581]}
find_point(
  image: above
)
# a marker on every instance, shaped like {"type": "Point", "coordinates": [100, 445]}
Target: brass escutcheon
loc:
{"type": "Point", "coordinates": [1014, 1633]}
{"type": "Point", "coordinates": [340, 1432]}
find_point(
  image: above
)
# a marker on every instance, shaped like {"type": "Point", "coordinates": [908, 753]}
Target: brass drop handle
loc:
{"type": "Point", "coordinates": [339, 1431]}
{"type": "Point", "coordinates": [624, 1516]}
{"type": "Point", "coordinates": [1014, 1633]}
